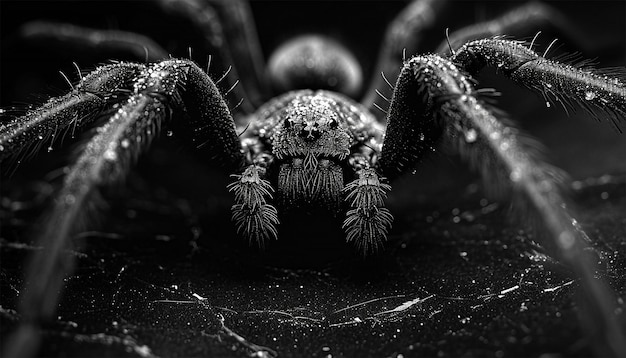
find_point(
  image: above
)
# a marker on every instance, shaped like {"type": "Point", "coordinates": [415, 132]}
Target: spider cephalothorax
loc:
{"type": "Point", "coordinates": [307, 152]}
{"type": "Point", "coordinates": [312, 142]}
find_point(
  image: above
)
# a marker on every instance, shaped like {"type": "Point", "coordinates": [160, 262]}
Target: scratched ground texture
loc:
{"type": "Point", "coordinates": [161, 274]}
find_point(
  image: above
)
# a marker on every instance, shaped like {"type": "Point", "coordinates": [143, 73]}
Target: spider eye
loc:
{"type": "Point", "coordinates": [333, 124]}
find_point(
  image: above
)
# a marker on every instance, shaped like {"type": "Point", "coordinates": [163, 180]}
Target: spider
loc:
{"type": "Point", "coordinates": [309, 154]}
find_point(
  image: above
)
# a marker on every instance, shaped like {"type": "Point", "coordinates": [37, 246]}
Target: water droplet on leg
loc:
{"type": "Point", "coordinates": [471, 135]}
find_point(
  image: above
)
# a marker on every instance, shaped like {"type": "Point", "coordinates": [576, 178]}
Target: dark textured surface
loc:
{"type": "Point", "coordinates": [455, 279]}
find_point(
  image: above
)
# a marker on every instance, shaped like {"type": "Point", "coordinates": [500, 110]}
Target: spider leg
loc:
{"type": "Point", "coordinates": [227, 31]}
{"type": "Point", "coordinates": [23, 136]}
{"type": "Point", "coordinates": [229, 27]}
{"type": "Point", "coordinates": [432, 92]}
{"type": "Point", "coordinates": [402, 35]}
{"type": "Point", "coordinates": [599, 94]}
{"type": "Point", "coordinates": [241, 35]}
{"type": "Point", "coordinates": [78, 38]}
{"type": "Point", "coordinates": [173, 90]}
{"type": "Point", "coordinates": [527, 17]}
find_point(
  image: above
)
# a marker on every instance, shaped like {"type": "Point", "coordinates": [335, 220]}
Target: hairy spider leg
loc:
{"type": "Point", "coordinates": [516, 22]}
{"type": "Point", "coordinates": [228, 27]}
{"type": "Point", "coordinates": [241, 35]}
{"type": "Point", "coordinates": [600, 94]}
{"type": "Point", "coordinates": [176, 90]}
{"type": "Point", "coordinates": [504, 158]}
{"type": "Point", "coordinates": [22, 137]}
{"type": "Point", "coordinates": [403, 35]}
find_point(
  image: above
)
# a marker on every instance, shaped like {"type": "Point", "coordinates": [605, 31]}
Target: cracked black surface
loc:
{"type": "Point", "coordinates": [456, 279]}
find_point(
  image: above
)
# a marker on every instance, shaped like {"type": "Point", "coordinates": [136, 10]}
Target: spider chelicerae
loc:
{"type": "Point", "coordinates": [311, 153]}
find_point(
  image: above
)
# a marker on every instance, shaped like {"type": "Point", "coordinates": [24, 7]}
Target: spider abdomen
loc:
{"type": "Point", "coordinates": [317, 62]}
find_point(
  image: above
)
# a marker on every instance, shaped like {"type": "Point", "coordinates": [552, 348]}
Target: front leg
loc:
{"type": "Point", "coordinates": [602, 95]}
{"type": "Point", "coordinates": [435, 101]}
{"type": "Point", "coordinates": [175, 94]}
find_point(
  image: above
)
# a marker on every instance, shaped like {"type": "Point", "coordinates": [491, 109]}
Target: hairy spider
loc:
{"type": "Point", "coordinates": [298, 148]}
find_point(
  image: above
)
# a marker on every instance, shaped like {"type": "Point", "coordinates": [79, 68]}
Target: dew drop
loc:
{"type": "Point", "coordinates": [516, 175]}
{"type": "Point", "coordinates": [169, 133]}
{"type": "Point", "coordinates": [1, 148]}
{"type": "Point", "coordinates": [422, 137]}
{"type": "Point", "coordinates": [125, 143]}
{"type": "Point", "coordinates": [40, 137]}
{"type": "Point", "coordinates": [589, 95]}
{"type": "Point", "coordinates": [547, 104]}
{"type": "Point", "coordinates": [50, 149]}
{"type": "Point", "coordinates": [110, 155]}
{"type": "Point", "coordinates": [471, 135]}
